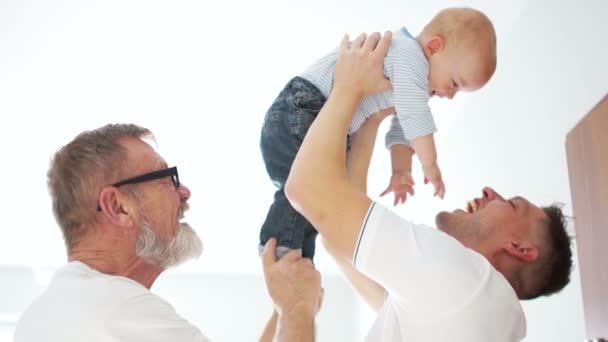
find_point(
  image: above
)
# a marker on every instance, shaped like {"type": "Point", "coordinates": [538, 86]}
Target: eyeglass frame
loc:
{"type": "Point", "coordinates": [150, 176]}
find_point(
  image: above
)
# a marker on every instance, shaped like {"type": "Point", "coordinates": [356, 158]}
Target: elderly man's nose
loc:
{"type": "Point", "coordinates": [184, 192]}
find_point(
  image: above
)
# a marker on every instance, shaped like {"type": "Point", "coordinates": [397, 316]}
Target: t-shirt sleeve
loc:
{"type": "Point", "coordinates": [416, 264]}
{"type": "Point", "coordinates": [147, 317]}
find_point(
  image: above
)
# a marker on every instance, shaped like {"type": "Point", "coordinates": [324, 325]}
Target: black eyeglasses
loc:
{"type": "Point", "coordinates": [146, 177]}
{"type": "Point", "coordinates": [171, 171]}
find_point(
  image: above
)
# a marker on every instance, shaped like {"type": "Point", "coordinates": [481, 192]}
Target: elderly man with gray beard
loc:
{"type": "Point", "coordinates": [120, 208]}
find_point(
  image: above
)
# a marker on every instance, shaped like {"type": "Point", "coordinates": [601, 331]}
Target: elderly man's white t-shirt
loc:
{"type": "Point", "coordinates": [437, 289]}
{"type": "Point", "coordinates": [82, 304]}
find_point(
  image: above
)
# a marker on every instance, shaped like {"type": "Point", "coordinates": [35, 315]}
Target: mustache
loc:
{"type": "Point", "coordinates": [182, 209]}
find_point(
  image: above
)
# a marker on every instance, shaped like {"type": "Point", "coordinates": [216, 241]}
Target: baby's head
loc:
{"type": "Point", "coordinates": [460, 45]}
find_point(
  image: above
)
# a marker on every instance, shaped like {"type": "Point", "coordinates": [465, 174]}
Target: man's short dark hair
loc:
{"type": "Point", "coordinates": [558, 263]}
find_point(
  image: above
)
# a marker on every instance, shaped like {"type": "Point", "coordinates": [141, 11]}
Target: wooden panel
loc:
{"type": "Point", "coordinates": [587, 152]}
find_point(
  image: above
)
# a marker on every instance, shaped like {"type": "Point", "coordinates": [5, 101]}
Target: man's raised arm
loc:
{"type": "Point", "coordinates": [318, 186]}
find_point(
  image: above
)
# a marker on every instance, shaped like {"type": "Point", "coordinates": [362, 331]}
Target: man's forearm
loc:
{"type": "Point", "coordinates": [318, 186]}
{"type": "Point", "coordinates": [361, 150]}
{"type": "Point", "coordinates": [358, 161]}
{"type": "Point", "coordinates": [322, 153]}
{"type": "Point", "coordinates": [270, 329]}
{"type": "Point", "coordinates": [296, 326]}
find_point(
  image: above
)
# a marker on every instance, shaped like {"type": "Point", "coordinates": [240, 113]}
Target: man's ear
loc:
{"type": "Point", "coordinates": [522, 250]}
{"type": "Point", "coordinates": [116, 208]}
{"type": "Point", "coordinates": [434, 45]}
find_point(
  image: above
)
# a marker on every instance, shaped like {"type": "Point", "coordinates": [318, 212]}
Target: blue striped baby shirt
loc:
{"type": "Point", "coordinates": [407, 68]}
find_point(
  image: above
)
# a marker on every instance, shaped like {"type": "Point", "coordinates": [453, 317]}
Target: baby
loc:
{"type": "Point", "coordinates": [456, 51]}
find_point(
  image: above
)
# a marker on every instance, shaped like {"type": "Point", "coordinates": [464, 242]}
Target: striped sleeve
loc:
{"type": "Point", "coordinates": [395, 134]}
{"type": "Point", "coordinates": [407, 68]}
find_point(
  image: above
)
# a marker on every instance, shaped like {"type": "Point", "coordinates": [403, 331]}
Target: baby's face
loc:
{"type": "Point", "coordinates": [456, 69]}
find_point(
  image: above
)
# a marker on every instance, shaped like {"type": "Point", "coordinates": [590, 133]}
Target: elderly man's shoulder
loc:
{"type": "Point", "coordinates": [96, 305]}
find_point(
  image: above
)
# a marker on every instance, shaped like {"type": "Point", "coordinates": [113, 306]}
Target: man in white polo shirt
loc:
{"type": "Point", "coordinates": [460, 282]}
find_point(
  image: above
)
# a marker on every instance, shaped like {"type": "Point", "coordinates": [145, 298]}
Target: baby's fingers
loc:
{"type": "Point", "coordinates": [439, 190]}
{"type": "Point", "coordinates": [387, 191]}
{"type": "Point", "coordinates": [400, 198]}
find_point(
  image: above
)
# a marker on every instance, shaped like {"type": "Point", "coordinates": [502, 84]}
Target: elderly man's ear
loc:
{"type": "Point", "coordinates": [117, 208]}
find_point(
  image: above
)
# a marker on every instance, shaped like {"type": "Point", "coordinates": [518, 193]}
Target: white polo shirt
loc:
{"type": "Point", "coordinates": [437, 289]}
{"type": "Point", "coordinates": [82, 304]}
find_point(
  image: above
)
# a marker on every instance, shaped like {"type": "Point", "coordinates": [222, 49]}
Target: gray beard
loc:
{"type": "Point", "coordinates": [184, 246]}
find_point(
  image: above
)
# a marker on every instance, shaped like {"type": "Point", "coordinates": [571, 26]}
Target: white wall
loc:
{"type": "Point", "coordinates": [190, 69]}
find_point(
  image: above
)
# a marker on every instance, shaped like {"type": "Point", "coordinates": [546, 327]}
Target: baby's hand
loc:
{"type": "Point", "coordinates": [401, 184]}
{"type": "Point", "coordinates": [432, 174]}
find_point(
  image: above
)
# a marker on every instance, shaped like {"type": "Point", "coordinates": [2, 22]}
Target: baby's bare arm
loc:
{"type": "Point", "coordinates": [401, 159]}
{"type": "Point", "coordinates": [424, 147]}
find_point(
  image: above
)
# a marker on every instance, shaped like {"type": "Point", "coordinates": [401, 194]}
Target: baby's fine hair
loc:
{"type": "Point", "coordinates": [459, 25]}
{"type": "Point", "coordinates": [464, 27]}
